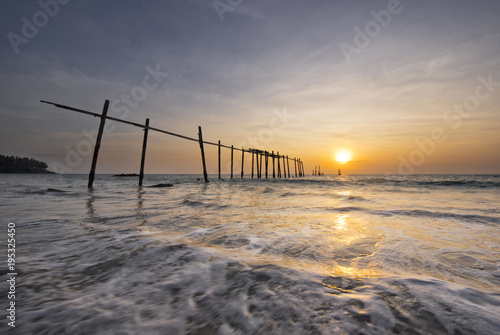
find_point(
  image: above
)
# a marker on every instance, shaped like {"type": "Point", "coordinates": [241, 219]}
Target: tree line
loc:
{"type": "Point", "coordinates": [11, 164]}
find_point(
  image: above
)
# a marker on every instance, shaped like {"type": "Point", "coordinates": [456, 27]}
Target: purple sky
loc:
{"type": "Point", "coordinates": [405, 86]}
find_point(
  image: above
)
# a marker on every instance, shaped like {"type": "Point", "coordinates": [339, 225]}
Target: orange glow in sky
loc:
{"type": "Point", "coordinates": [366, 101]}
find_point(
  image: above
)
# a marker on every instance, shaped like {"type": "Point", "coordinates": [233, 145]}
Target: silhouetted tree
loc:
{"type": "Point", "coordinates": [11, 164]}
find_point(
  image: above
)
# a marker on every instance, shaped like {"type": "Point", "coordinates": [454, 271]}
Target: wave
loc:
{"type": "Point", "coordinates": [351, 209]}
{"type": "Point", "coordinates": [429, 183]}
{"type": "Point", "coordinates": [468, 183]}
{"type": "Point", "coordinates": [203, 204]}
{"type": "Point", "coordinates": [193, 203]}
{"type": "Point", "coordinates": [201, 291]}
{"type": "Point", "coordinates": [418, 181]}
{"type": "Point", "coordinates": [267, 190]}
{"type": "Point", "coordinates": [422, 213]}
{"type": "Point", "coordinates": [50, 191]}
{"type": "Point", "coordinates": [288, 194]}
{"type": "Point", "coordinates": [355, 198]}
{"type": "Point", "coordinates": [447, 215]}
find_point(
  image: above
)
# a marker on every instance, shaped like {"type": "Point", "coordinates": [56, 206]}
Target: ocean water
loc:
{"type": "Point", "coordinates": [364, 254]}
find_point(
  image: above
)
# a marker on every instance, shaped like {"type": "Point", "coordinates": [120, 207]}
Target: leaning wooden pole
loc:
{"type": "Point", "coordinates": [98, 144]}
{"type": "Point", "coordinates": [219, 159]}
{"type": "Point", "coordinates": [242, 161]}
{"type": "Point", "coordinates": [295, 160]}
{"type": "Point", "coordinates": [200, 139]}
{"type": "Point", "coordinates": [143, 156]}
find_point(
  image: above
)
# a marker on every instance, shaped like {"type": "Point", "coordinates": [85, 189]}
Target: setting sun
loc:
{"type": "Point", "coordinates": [343, 156]}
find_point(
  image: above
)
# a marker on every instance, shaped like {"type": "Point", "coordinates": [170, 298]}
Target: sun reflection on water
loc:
{"type": "Point", "coordinates": [356, 272]}
{"type": "Point", "coordinates": [341, 221]}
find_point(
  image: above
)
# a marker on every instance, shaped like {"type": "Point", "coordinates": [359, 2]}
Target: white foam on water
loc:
{"type": "Point", "coordinates": [243, 257]}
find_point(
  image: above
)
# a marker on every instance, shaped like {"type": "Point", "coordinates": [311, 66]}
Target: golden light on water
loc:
{"type": "Point", "coordinates": [343, 156]}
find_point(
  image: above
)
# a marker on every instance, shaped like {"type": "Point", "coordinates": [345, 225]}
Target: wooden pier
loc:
{"type": "Point", "coordinates": [317, 171]}
{"type": "Point", "coordinates": [260, 158]}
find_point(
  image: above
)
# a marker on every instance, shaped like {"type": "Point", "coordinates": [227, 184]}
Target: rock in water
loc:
{"type": "Point", "coordinates": [162, 185]}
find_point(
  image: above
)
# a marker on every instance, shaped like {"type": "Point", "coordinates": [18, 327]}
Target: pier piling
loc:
{"type": "Point", "coordinates": [257, 155]}
{"type": "Point", "coordinates": [267, 162]}
{"type": "Point", "coordinates": [143, 156]}
{"type": "Point", "coordinates": [242, 161]}
{"type": "Point", "coordinates": [252, 160]}
{"type": "Point", "coordinates": [232, 151]}
{"type": "Point", "coordinates": [200, 137]}
{"type": "Point", "coordinates": [98, 144]}
{"type": "Point", "coordinates": [278, 159]}
{"type": "Point", "coordinates": [219, 159]}
{"type": "Point", "coordinates": [288, 166]}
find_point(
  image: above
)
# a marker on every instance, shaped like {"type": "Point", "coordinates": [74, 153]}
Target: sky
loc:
{"type": "Point", "coordinates": [402, 86]}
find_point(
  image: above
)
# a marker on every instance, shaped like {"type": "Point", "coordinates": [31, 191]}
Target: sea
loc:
{"type": "Point", "coordinates": [351, 254]}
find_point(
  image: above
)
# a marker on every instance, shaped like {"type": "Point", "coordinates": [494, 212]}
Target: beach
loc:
{"type": "Point", "coordinates": [353, 254]}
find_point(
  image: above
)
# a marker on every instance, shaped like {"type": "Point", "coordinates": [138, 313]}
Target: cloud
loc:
{"type": "Point", "coordinates": [229, 76]}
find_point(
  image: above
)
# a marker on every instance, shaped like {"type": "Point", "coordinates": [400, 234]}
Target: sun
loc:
{"type": "Point", "coordinates": [343, 156]}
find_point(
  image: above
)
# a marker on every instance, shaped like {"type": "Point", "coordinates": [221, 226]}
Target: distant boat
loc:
{"type": "Point", "coordinates": [340, 173]}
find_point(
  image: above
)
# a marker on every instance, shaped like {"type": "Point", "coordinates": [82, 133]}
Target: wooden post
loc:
{"type": "Point", "coordinates": [267, 162]}
{"type": "Point", "coordinates": [257, 163]}
{"type": "Point", "coordinates": [200, 139]}
{"type": "Point", "coordinates": [260, 167]}
{"type": "Point", "coordinates": [274, 172]}
{"type": "Point", "coordinates": [242, 161]}
{"type": "Point", "coordinates": [295, 160]}
{"type": "Point", "coordinates": [144, 145]}
{"type": "Point", "coordinates": [232, 150]}
{"type": "Point", "coordinates": [284, 167]}
{"type": "Point", "coordinates": [288, 166]}
{"type": "Point", "coordinates": [219, 159]}
{"type": "Point", "coordinates": [252, 161]}
{"type": "Point", "coordinates": [281, 168]}
{"type": "Point", "coordinates": [278, 159]}
{"type": "Point", "coordinates": [98, 144]}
